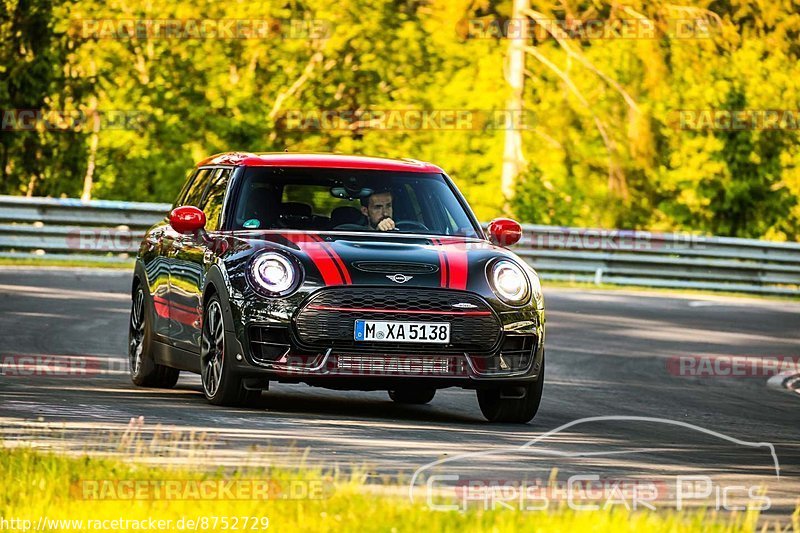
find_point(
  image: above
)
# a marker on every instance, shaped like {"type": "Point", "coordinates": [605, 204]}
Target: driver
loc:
{"type": "Point", "coordinates": [377, 207]}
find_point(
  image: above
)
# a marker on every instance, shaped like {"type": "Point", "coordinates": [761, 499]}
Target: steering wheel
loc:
{"type": "Point", "coordinates": [410, 225]}
{"type": "Point", "coordinates": [350, 227]}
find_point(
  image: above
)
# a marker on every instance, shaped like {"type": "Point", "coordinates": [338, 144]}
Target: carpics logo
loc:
{"type": "Point", "coordinates": [589, 492]}
{"type": "Point", "coordinates": [549, 471]}
{"type": "Point", "coordinates": [581, 492]}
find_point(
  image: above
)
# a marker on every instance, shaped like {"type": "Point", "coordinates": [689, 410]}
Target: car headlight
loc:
{"type": "Point", "coordinates": [509, 282]}
{"type": "Point", "coordinates": [274, 274]}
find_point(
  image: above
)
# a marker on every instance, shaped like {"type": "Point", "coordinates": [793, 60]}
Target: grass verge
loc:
{"type": "Point", "coordinates": [73, 263]}
{"type": "Point", "coordinates": [38, 485]}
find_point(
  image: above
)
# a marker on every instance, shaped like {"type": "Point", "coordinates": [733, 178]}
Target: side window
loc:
{"type": "Point", "coordinates": [214, 199]}
{"type": "Point", "coordinates": [186, 185]}
{"type": "Point", "coordinates": [416, 209]}
{"type": "Point", "coordinates": [435, 215]}
{"type": "Point", "coordinates": [195, 193]}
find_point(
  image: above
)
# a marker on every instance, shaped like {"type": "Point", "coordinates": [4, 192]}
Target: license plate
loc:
{"type": "Point", "coordinates": [392, 331]}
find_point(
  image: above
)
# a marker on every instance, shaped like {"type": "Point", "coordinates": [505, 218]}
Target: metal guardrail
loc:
{"type": "Point", "coordinates": [109, 231]}
{"type": "Point", "coordinates": [67, 229]}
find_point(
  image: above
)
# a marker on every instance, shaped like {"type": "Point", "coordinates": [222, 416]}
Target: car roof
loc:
{"type": "Point", "coordinates": [318, 160]}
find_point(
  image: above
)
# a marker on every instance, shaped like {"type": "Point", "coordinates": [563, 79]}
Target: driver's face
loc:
{"type": "Point", "coordinates": [380, 207]}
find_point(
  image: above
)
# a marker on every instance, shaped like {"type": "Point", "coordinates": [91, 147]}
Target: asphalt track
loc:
{"type": "Point", "coordinates": [609, 354]}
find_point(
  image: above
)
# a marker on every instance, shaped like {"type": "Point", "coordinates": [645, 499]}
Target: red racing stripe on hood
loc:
{"type": "Point", "coordinates": [328, 247]}
{"type": "Point", "coordinates": [454, 263]}
{"type": "Point", "coordinates": [328, 269]}
{"type": "Point", "coordinates": [442, 262]}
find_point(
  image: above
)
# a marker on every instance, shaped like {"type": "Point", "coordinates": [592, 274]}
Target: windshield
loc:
{"type": "Point", "coordinates": [314, 199]}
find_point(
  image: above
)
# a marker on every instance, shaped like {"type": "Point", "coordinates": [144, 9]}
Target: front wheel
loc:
{"type": "Point", "coordinates": [518, 405]}
{"type": "Point", "coordinates": [144, 370]}
{"type": "Point", "coordinates": [221, 384]}
{"type": "Point", "coordinates": [412, 396]}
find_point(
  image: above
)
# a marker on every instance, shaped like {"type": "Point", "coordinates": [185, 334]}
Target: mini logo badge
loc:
{"type": "Point", "coordinates": [399, 278]}
{"type": "Point", "coordinates": [464, 305]}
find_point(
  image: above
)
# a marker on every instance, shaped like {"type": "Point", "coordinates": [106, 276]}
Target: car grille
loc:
{"type": "Point", "coordinates": [328, 318]}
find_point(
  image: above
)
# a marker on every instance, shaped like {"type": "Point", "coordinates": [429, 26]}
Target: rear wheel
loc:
{"type": "Point", "coordinates": [412, 396]}
{"type": "Point", "coordinates": [513, 404]}
{"type": "Point", "coordinates": [221, 384]}
{"type": "Point", "coordinates": [144, 370]}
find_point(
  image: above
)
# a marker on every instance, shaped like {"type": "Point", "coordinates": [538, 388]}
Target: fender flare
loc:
{"type": "Point", "coordinates": [217, 282]}
{"type": "Point", "coordinates": [140, 274]}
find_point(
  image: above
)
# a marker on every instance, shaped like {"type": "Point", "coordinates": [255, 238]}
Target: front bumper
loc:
{"type": "Point", "coordinates": [272, 348]}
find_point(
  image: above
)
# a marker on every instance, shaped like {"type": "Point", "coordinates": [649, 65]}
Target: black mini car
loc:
{"type": "Point", "coordinates": [344, 272]}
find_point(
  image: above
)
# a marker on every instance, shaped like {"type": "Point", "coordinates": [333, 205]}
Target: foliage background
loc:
{"type": "Point", "coordinates": [202, 96]}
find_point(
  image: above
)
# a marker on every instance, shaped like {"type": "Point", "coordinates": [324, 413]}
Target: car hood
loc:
{"type": "Point", "coordinates": [333, 258]}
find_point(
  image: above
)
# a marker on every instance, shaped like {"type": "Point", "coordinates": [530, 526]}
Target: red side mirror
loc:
{"type": "Point", "coordinates": [504, 231]}
{"type": "Point", "coordinates": [187, 219]}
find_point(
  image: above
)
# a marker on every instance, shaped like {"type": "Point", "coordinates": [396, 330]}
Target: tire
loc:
{"type": "Point", "coordinates": [512, 410]}
{"type": "Point", "coordinates": [221, 384]}
{"type": "Point", "coordinates": [143, 369]}
{"type": "Point", "coordinates": [412, 396]}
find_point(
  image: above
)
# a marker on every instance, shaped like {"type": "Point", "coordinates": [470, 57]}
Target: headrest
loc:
{"type": "Point", "coordinates": [346, 215]}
